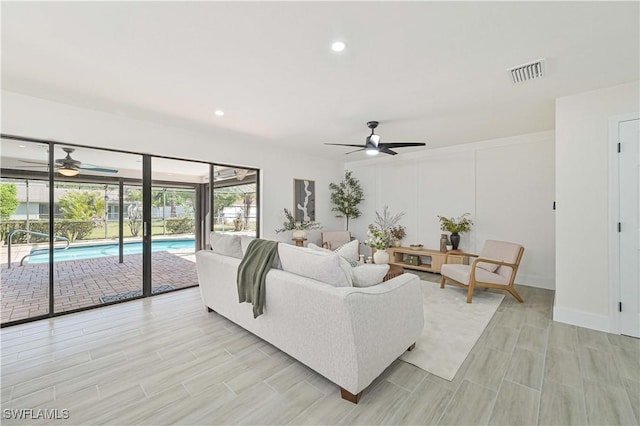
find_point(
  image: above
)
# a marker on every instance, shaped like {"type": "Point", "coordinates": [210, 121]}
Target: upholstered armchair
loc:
{"type": "Point", "coordinates": [495, 267]}
{"type": "Point", "coordinates": [333, 239]}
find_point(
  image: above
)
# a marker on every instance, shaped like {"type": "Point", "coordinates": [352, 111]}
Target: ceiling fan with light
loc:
{"type": "Point", "coordinates": [69, 166]}
{"type": "Point", "coordinates": [373, 146]}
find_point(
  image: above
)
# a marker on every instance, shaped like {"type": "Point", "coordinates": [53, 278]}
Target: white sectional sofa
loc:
{"type": "Point", "coordinates": [347, 334]}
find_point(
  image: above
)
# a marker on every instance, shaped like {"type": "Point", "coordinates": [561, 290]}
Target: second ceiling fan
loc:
{"type": "Point", "coordinates": [373, 145]}
{"type": "Point", "coordinates": [69, 166]}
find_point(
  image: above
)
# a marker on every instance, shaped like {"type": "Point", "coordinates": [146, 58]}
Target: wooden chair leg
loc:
{"type": "Point", "coordinates": [515, 294]}
{"type": "Point", "coordinates": [470, 292]}
{"type": "Point", "coordinates": [442, 280]}
{"type": "Point", "coordinates": [345, 394]}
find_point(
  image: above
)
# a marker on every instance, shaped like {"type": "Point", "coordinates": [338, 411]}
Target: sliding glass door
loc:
{"type": "Point", "coordinates": [235, 200]}
{"type": "Point", "coordinates": [174, 218]}
{"type": "Point", "coordinates": [104, 261]}
{"type": "Point", "coordinates": [84, 227]}
{"type": "Point", "coordinates": [24, 230]}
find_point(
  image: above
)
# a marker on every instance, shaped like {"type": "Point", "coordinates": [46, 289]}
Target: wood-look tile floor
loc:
{"type": "Point", "coordinates": [165, 360]}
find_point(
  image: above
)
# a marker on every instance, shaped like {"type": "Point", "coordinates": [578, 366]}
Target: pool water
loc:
{"type": "Point", "coordinates": [104, 250]}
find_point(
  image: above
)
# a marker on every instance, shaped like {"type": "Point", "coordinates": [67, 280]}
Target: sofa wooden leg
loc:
{"type": "Point", "coordinates": [442, 279]}
{"type": "Point", "coordinates": [345, 394]}
{"type": "Point", "coordinates": [412, 347]}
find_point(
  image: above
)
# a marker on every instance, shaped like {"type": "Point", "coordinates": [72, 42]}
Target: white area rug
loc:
{"type": "Point", "coordinates": [451, 327]}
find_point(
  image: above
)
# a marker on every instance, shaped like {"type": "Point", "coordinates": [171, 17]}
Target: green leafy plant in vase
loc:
{"type": "Point", "coordinates": [380, 234]}
{"type": "Point", "coordinates": [299, 228]}
{"type": "Point", "coordinates": [456, 225]}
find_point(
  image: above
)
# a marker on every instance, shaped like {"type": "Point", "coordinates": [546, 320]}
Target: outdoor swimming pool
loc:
{"type": "Point", "coordinates": [104, 250]}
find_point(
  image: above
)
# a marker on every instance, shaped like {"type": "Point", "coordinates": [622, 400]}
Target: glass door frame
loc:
{"type": "Point", "coordinates": [147, 223]}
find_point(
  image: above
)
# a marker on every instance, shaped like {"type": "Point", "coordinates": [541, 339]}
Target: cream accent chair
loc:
{"type": "Point", "coordinates": [333, 239]}
{"type": "Point", "coordinates": [495, 267]}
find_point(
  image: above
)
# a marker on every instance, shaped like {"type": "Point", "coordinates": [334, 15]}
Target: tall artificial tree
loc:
{"type": "Point", "coordinates": [346, 196]}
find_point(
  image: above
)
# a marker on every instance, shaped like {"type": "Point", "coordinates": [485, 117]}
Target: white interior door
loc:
{"type": "Point", "coordinates": [629, 178]}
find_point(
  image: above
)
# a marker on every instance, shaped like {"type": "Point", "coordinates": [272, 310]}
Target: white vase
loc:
{"type": "Point", "coordinates": [299, 234]}
{"type": "Point", "coordinates": [381, 257]}
{"type": "Point", "coordinates": [397, 243]}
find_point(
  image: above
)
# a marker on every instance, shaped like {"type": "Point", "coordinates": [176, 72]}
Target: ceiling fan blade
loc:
{"type": "Point", "coordinates": [64, 162]}
{"type": "Point", "coordinates": [43, 163]}
{"type": "Point", "coordinates": [386, 150]}
{"type": "Point", "coordinates": [401, 144]}
{"type": "Point", "coordinates": [91, 168]}
{"type": "Point", "coordinates": [345, 144]}
{"type": "Point", "coordinates": [356, 150]}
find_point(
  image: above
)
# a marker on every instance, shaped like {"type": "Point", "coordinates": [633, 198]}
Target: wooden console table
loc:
{"type": "Point", "coordinates": [430, 260]}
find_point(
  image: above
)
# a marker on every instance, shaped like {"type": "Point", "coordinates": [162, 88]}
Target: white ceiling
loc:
{"type": "Point", "coordinates": [428, 71]}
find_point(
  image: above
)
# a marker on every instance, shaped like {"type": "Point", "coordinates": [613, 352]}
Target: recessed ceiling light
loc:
{"type": "Point", "coordinates": [219, 113]}
{"type": "Point", "coordinates": [20, 146]}
{"type": "Point", "coordinates": [338, 46]}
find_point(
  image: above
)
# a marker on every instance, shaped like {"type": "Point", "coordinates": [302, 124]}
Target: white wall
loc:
{"type": "Point", "coordinates": [506, 184]}
{"type": "Point", "coordinates": [583, 153]}
{"type": "Point", "coordinates": [38, 118]}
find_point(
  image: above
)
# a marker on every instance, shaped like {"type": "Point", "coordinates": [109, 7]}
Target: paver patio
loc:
{"type": "Point", "coordinates": [24, 290]}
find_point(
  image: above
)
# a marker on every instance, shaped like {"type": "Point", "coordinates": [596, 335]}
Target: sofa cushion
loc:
{"type": "Point", "coordinates": [368, 275]}
{"type": "Point", "coordinates": [345, 264]}
{"type": "Point", "coordinates": [245, 240]}
{"type": "Point", "coordinates": [225, 244]}
{"type": "Point", "coordinates": [317, 264]}
{"type": "Point", "coordinates": [350, 251]}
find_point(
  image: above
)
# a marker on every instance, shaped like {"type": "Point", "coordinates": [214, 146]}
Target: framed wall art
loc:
{"type": "Point", "coordinates": [304, 200]}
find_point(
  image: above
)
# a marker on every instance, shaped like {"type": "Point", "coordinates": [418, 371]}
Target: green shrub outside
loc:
{"type": "Point", "coordinates": [183, 225]}
{"type": "Point", "coordinates": [73, 230]}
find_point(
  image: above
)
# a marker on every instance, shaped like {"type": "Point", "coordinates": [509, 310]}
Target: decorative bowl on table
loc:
{"type": "Point", "coordinates": [415, 246]}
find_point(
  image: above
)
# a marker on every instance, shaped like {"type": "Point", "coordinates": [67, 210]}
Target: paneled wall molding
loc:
{"type": "Point", "coordinates": [506, 184]}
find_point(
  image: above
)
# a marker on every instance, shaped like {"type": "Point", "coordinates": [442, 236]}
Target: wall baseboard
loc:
{"type": "Point", "coordinates": [536, 281]}
{"type": "Point", "coordinates": [582, 319]}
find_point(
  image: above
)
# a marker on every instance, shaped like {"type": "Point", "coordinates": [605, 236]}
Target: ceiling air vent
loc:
{"type": "Point", "coordinates": [529, 71]}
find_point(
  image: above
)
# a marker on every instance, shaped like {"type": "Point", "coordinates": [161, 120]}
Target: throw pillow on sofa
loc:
{"type": "Point", "coordinates": [225, 244]}
{"type": "Point", "coordinates": [350, 251]}
{"type": "Point", "coordinates": [345, 264]}
{"type": "Point", "coordinates": [368, 275]}
{"type": "Point", "coordinates": [316, 264]}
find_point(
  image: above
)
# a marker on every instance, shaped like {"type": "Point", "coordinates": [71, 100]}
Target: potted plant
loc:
{"type": "Point", "coordinates": [456, 225]}
{"type": "Point", "coordinates": [346, 196]}
{"type": "Point", "coordinates": [381, 234]}
{"type": "Point", "coordinates": [379, 240]}
{"type": "Point", "coordinates": [238, 223]}
{"type": "Point", "coordinates": [397, 234]}
{"type": "Point", "coordinates": [299, 228]}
